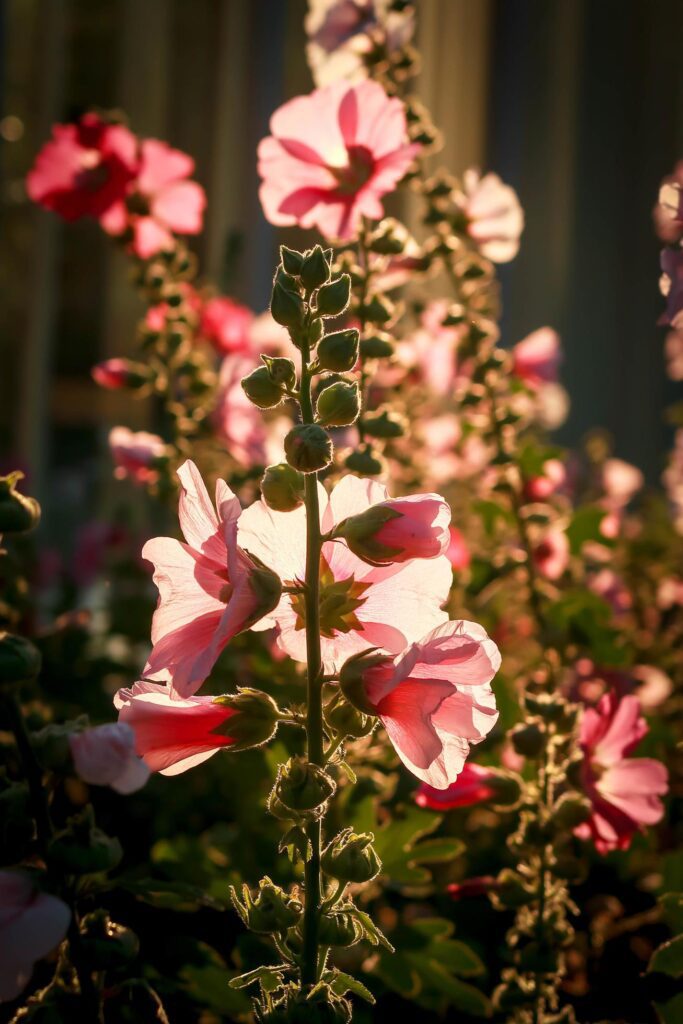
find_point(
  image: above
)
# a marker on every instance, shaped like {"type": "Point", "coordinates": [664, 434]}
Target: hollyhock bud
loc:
{"type": "Point", "coordinates": [20, 660]}
{"type": "Point", "coordinates": [287, 307]}
{"type": "Point", "coordinates": [291, 261]}
{"type": "Point", "coordinates": [333, 298]}
{"type": "Point", "coordinates": [280, 370]}
{"type": "Point", "coordinates": [302, 786]}
{"type": "Point", "coordinates": [350, 857]}
{"type": "Point", "coordinates": [82, 848]}
{"type": "Point", "coordinates": [255, 718]}
{"type": "Point", "coordinates": [399, 529]}
{"type": "Point", "coordinates": [308, 447]}
{"type": "Point", "coordinates": [377, 346]}
{"type": "Point", "coordinates": [105, 944]}
{"type": "Point", "coordinates": [260, 388]}
{"type": "Point", "coordinates": [282, 488]}
{"type": "Point", "coordinates": [379, 309]}
{"type": "Point", "coordinates": [571, 810]}
{"type": "Point", "coordinates": [339, 404]}
{"type": "Point", "coordinates": [315, 269]}
{"type": "Point", "coordinates": [366, 462]}
{"type": "Point", "coordinates": [338, 352]}
{"type": "Point", "coordinates": [115, 374]}
{"type": "Point", "coordinates": [272, 910]}
{"type": "Point", "coordinates": [339, 928]}
{"type": "Point", "coordinates": [511, 890]}
{"type": "Point", "coordinates": [528, 739]}
{"type": "Point", "coordinates": [363, 670]}
{"type": "Point", "coordinates": [18, 513]}
{"type": "Point", "coordinates": [32, 924]}
{"type": "Point", "coordinates": [385, 424]}
{"type": "Point", "coordinates": [347, 720]}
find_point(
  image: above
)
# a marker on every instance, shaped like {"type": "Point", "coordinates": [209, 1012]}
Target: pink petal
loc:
{"type": "Point", "coordinates": [406, 714]}
{"type": "Point", "coordinates": [150, 237]}
{"type": "Point", "coordinates": [161, 165]}
{"type": "Point", "coordinates": [180, 207]}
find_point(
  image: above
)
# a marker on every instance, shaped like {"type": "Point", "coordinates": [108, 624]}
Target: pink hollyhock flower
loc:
{"type": "Point", "coordinates": [173, 735]}
{"type": "Point", "coordinates": [399, 529]}
{"type": "Point", "coordinates": [625, 792]}
{"type": "Point", "coordinates": [620, 482]}
{"type": "Point", "coordinates": [32, 924]}
{"type": "Point", "coordinates": [671, 286]}
{"type": "Point", "coordinates": [470, 787]}
{"type": "Point", "coordinates": [551, 554]}
{"type": "Point", "coordinates": [105, 756]}
{"type": "Point", "coordinates": [332, 156]}
{"type": "Point", "coordinates": [226, 325]}
{"type": "Point", "coordinates": [553, 477]}
{"type": "Point", "coordinates": [536, 359]}
{"type": "Point", "coordinates": [268, 336]}
{"type": "Point", "coordinates": [668, 213]}
{"type": "Point", "coordinates": [457, 552]}
{"type": "Point", "coordinates": [362, 605]}
{"type": "Point", "coordinates": [85, 169]}
{"type": "Point", "coordinates": [342, 33]}
{"type": "Point", "coordinates": [237, 421]}
{"type": "Point", "coordinates": [430, 351]}
{"type": "Point", "coordinates": [210, 589]}
{"type": "Point", "coordinates": [655, 686]}
{"type": "Point", "coordinates": [481, 885]}
{"type": "Point", "coordinates": [435, 699]}
{"type": "Point", "coordinates": [493, 215]}
{"type": "Point", "coordinates": [170, 204]}
{"type": "Point", "coordinates": [135, 454]}
{"type": "Point", "coordinates": [112, 374]}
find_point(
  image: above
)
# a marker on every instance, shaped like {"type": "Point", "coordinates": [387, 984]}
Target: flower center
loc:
{"type": "Point", "coordinates": [359, 170]}
{"type": "Point", "coordinates": [339, 600]}
{"type": "Point", "coordinates": [93, 174]}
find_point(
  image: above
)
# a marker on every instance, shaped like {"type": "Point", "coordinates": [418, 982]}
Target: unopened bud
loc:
{"type": "Point", "coordinates": [529, 739]}
{"type": "Point", "coordinates": [378, 309]}
{"type": "Point", "coordinates": [271, 910]}
{"type": "Point", "coordinates": [20, 660]}
{"type": "Point", "coordinates": [506, 786]}
{"type": "Point", "coordinates": [385, 423]}
{"type": "Point", "coordinates": [571, 809]}
{"type": "Point", "coordinates": [255, 719]}
{"type": "Point", "coordinates": [303, 786]}
{"type": "Point", "coordinates": [389, 238]}
{"type": "Point", "coordinates": [377, 346]}
{"type": "Point", "coordinates": [360, 671]}
{"type": "Point", "coordinates": [291, 260]}
{"type": "Point", "coordinates": [338, 352]}
{"type": "Point", "coordinates": [339, 404]}
{"type": "Point", "coordinates": [350, 857]}
{"type": "Point", "coordinates": [339, 928]}
{"type": "Point", "coordinates": [511, 890]}
{"type": "Point", "coordinates": [18, 513]}
{"type": "Point", "coordinates": [260, 388]}
{"type": "Point", "coordinates": [266, 586]}
{"type": "Point", "coordinates": [286, 307]}
{"type": "Point", "coordinates": [347, 720]}
{"type": "Point", "coordinates": [104, 943]}
{"type": "Point", "coordinates": [281, 371]}
{"type": "Point", "coordinates": [82, 848]}
{"type": "Point", "coordinates": [365, 461]}
{"type": "Point", "coordinates": [333, 298]}
{"type": "Point", "coordinates": [282, 488]}
{"type": "Point", "coordinates": [308, 447]}
{"type": "Point", "coordinates": [315, 269]}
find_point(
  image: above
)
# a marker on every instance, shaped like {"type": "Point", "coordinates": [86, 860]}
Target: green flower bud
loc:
{"type": "Point", "coordinates": [339, 351]}
{"type": "Point", "coordinates": [378, 309]}
{"type": "Point", "coordinates": [359, 670]}
{"type": "Point", "coordinates": [506, 786]}
{"type": "Point", "coordinates": [385, 423]}
{"type": "Point", "coordinates": [20, 660]}
{"type": "Point", "coordinates": [349, 721]}
{"type": "Point", "coordinates": [289, 282]}
{"type": "Point", "coordinates": [511, 890]}
{"type": "Point", "coordinates": [320, 1005]}
{"type": "Point", "coordinates": [315, 269]}
{"type": "Point", "coordinates": [308, 447]}
{"type": "Point", "coordinates": [389, 238]}
{"type": "Point", "coordinates": [271, 910]}
{"type": "Point", "coordinates": [333, 298]}
{"type": "Point", "coordinates": [291, 260]}
{"type": "Point", "coordinates": [82, 848]}
{"type": "Point", "coordinates": [513, 992]}
{"type": "Point", "coordinates": [339, 929]}
{"type": "Point", "coordinates": [303, 786]}
{"type": "Point", "coordinates": [281, 371]}
{"type": "Point", "coordinates": [377, 346]}
{"type": "Point", "coordinates": [260, 388]}
{"type": "Point", "coordinates": [571, 809]}
{"type": "Point", "coordinates": [255, 721]}
{"type": "Point", "coordinates": [350, 857]}
{"type": "Point", "coordinates": [339, 404]}
{"type": "Point", "coordinates": [286, 307]}
{"type": "Point", "coordinates": [365, 462]}
{"type": "Point", "coordinates": [528, 739]}
{"type": "Point", "coordinates": [106, 944]}
{"type": "Point", "coordinates": [282, 488]}
{"type": "Point", "coordinates": [17, 512]}
{"type": "Point", "coordinates": [51, 745]}
{"type": "Point", "coordinates": [315, 332]}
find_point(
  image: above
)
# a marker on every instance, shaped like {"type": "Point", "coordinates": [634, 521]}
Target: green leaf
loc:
{"type": "Point", "coordinates": [490, 513]}
{"type": "Point", "coordinates": [371, 931]}
{"type": "Point", "coordinates": [269, 977]}
{"type": "Point", "coordinates": [668, 958]}
{"type": "Point", "coordinates": [341, 983]}
{"type": "Point", "coordinates": [670, 1012]}
{"type": "Point", "coordinates": [169, 895]}
{"type": "Point", "coordinates": [398, 847]}
{"type": "Point", "coordinates": [585, 526]}
{"type": "Point", "coordinates": [212, 986]}
{"type": "Point", "coordinates": [458, 993]}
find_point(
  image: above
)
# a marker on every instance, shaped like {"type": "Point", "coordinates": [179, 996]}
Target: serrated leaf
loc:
{"type": "Point", "coordinates": [459, 994]}
{"type": "Point", "coordinates": [342, 983]}
{"type": "Point", "coordinates": [297, 844]}
{"type": "Point", "coordinates": [398, 847]}
{"type": "Point", "coordinates": [348, 770]}
{"type": "Point", "coordinates": [371, 932]}
{"type": "Point", "coordinates": [668, 958]}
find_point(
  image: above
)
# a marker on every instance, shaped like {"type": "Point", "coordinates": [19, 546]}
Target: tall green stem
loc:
{"type": "Point", "coordinates": [314, 710]}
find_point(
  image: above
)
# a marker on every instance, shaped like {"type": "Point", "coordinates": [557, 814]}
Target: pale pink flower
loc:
{"type": "Point", "coordinates": [226, 325]}
{"type": "Point", "coordinates": [32, 924]}
{"type": "Point", "coordinates": [668, 213]}
{"type": "Point", "coordinates": [238, 423]}
{"type": "Point", "coordinates": [342, 33]}
{"type": "Point", "coordinates": [551, 553]}
{"type": "Point", "coordinates": [437, 700]}
{"type": "Point", "coordinates": [448, 457]}
{"type": "Point", "coordinates": [537, 358]}
{"type": "Point", "coordinates": [105, 756]}
{"type": "Point", "coordinates": [209, 588]}
{"type": "Point", "coordinates": [457, 552]}
{"type": "Point", "coordinates": [552, 478]}
{"type": "Point", "coordinates": [494, 217]}
{"type": "Point", "coordinates": [362, 605]}
{"type": "Point", "coordinates": [332, 156]}
{"type": "Point", "coordinates": [85, 169]}
{"type": "Point", "coordinates": [472, 786]}
{"type": "Point", "coordinates": [399, 529]}
{"type": "Point", "coordinates": [655, 686]}
{"type": "Point", "coordinates": [173, 735]}
{"type": "Point", "coordinates": [670, 593]}
{"type": "Point", "coordinates": [135, 454]}
{"type": "Point", "coordinates": [620, 482]}
{"type": "Point", "coordinates": [430, 351]}
{"type": "Point", "coordinates": [170, 203]}
{"type": "Point", "coordinates": [625, 792]}
{"type": "Point", "coordinates": [267, 335]}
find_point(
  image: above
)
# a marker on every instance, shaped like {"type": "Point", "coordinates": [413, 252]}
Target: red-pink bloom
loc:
{"type": "Point", "coordinates": [553, 476]}
{"type": "Point", "coordinates": [226, 325]}
{"type": "Point", "coordinates": [457, 552]}
{"type": "Point", "coordinates": [171, 203]}
{"type": "Point", "coordinates": [105, 756]}
{"type": "Point", "coordinates": [625, 792]}
{"type": "Point", "coordinates": [172, 735]}
{"type": "Point", "coordinates": [332, 156]}
{"type": "Point", "coordinates": [494, 217]}
{"type": "Point", "coordinates": [472, 786]}
{"type": "Point", "coordinates": [537, 358]}
{"type": "Point", "coordinates": [32, 924]}
{"type": "Point", "coordinates": [112, 374]}
{"type": "Point", "coordinates": [209, 588]}
{"type": "Point", "coordinates": [551, 554]}
{"type": "Point", "coordinates": [135, 454]}
{"type": "Point", "coordinates": [343, 32]}
{"type": "Point", "coordinates": [363, 605]}
{"type": "Point", "coordinates": [437, 700]}
{"type": "Point", "coordinates": [85, 169]}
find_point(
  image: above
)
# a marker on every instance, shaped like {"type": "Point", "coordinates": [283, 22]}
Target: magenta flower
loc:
{"type": "Point", "coordinates": [85, 169]}
{"type": "Point", "coordinates": [362, 606]}
{"type": "Point", "coordinates": [399, 529]}
{"type": "Point", "coordinates": [210, 589]}
{"type": "Point", "coordinates": [226, 325]}
{"type": "Point", "coordinates": [537, 358]}
{"type": "Point", "coordinates": [173, 735]}
{"type": "Point", "coordinates": [437, 700]}
{"type": "Point", "coordinates": [105, 756]}
{"type": "Point", "coordinates": [551, 553]}
{"type": "Point", "coordinates": [112, 374]}
{"type": "Point", "coordinates": [32, 924]}
{"type": "Point", "coordinates": [470, 787]}
{"type": "Point", "coordinates": [480, 885]}
{"type": "Point", "coordinates": [163, 202]}
{"type": "Point", "coordinates": [548, 482]}
{"type": "Point", "coordinates": [342, 33]}
{"type": "Point", "coordinates": [135, 454]}
{"type": "Point", "coordinates": [494, 217]}
{"type": "Point", "coordinates": [457, 552]}
{"type": "Point", "coordinates": [332, 156]}
{"type": "Point", "coordinates": [624, 791]}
